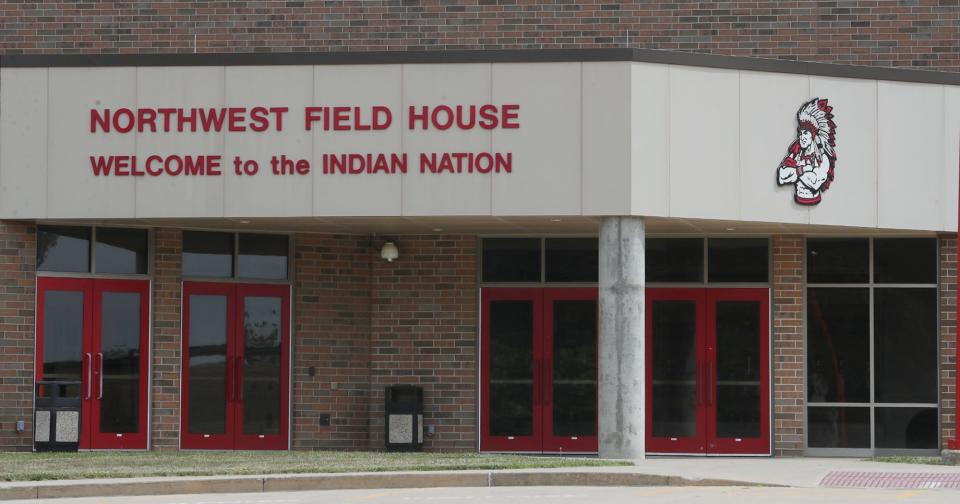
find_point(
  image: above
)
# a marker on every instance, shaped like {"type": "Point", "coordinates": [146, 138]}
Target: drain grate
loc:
{"type": "Point", "coordinates": [856, 479]}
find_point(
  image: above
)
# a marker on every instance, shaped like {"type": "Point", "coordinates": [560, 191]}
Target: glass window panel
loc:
{"type": "Point", "coordinates": [674, 370]}
{"type": "Point", "coordinates": [263, 256]}
{"type": "Point", "coordinates": [62, 335]}
{"type": "Point", "coordinates": [511, 260]}
{"type": "Point", "coordinates": [738, 369]}
{"type": "Point", "coordinates": [207, 254]}
{"type": "Point", "coordinates": [207, 361]}
{"type": "Point", "coordinates": [906, 428]}
{"type": "Point", "coordinates": [833, 260]}
{"type": "Point", "coordinates": [63, 248]}
{"type": "Point", "coordinates": [120, 340]}
{"type": "Point", "coordinates": [832, 427]}
{"type": "Point", "coordinates": [511, 368]}
{"type": "Point", "coordinates": [262, 326]}
{"type": "Point", "coordinates": [572, 259]}
{"type": "Point", "coordinates": [905, 345]}
{"type": "Point", "coordinates": [737, 259]}
{"type": "Point", "coordinates": [575, 368]}
{"type": "Point", "coordinates": [905, 260]}
{"type": "Point", "coordinates": [674, 260]}
{"type": "Point", "coordinates": [838, 345]}
{"type": "Point", "coordinates": [121, 251]}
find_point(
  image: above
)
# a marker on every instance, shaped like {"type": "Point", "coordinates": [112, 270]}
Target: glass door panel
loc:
{"type": "Point", "coordinates": [120, 364]}
{"type": "Point", "coordinates": [738, 404]}
{"type": "Point", "coordinates": [675, 371]}
{"type": "Point", "coordinates": [570, 382]}
{"type": "Point", "coordinates": [261, 367]}
{"type": "Point", "coordinates": [512, 326]}
{"type": "Point", "coordinates": [208, 394]}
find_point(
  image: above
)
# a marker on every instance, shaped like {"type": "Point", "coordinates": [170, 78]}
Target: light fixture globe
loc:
{"type": "Point", "coordinates": [389, 252]}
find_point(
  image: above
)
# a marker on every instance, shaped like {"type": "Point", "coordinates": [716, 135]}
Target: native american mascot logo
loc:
{"type": "Point", "coordinates": [811, 158]}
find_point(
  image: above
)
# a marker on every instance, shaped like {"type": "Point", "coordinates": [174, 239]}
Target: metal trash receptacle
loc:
{"type": "Point", "coordinates": [56, 416]}
{"type": "Point", "coordinates": [403, 417]}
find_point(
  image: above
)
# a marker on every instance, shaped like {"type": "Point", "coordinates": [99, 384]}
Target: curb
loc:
{"type": "Point", "coordinates": [354, 481]}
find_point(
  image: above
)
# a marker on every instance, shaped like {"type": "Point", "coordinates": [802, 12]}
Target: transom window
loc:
{"type": "Point", "coordinates": [872, 378]}
{"type": "Point", "coordinates": [96, 250]}
{"type": "Point", "coordinates": [249, 256]}
{"type": "Point", "coordinates": [719, 260]}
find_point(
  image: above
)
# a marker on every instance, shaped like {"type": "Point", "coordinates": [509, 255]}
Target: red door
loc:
{"type": "Point", "coordinates": [708, 371]}
{"type": "Point", "coordinates": [539, 370]}
{"type": "Point", "coordinates": [96, 332]}
{"type": "Point", "coordinates": [235, 366]}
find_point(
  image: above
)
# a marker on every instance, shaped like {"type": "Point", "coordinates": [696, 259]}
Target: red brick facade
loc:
{"type": "Point", "coordinates": [916, 33]}
{"type": "Point", "coordinates": [788, 349]}
{"type": "Point", "coordinates": [165, 367]}
{"type": "Point", "coordinates": [18, 256]}
{"type": "Point", "coordinates": [948, 337]}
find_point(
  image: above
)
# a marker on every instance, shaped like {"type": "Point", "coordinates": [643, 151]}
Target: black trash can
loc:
{"type": "Point", "coordinates": [403, 418]}
{"type": "Point", "coordinates": [56, 416]}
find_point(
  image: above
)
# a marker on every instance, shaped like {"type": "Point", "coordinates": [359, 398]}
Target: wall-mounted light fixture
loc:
{"type": "Point", "coordinates": [389, 252]}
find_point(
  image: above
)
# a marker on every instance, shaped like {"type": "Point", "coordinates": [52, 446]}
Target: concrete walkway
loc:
{"type": "Point", "coordinates": [660, 471]}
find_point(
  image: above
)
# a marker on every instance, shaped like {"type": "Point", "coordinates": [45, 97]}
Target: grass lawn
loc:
{"type": "Point", "coordinates": [908, 460]}
{"type": "Point", "coordinates": [50, 466]}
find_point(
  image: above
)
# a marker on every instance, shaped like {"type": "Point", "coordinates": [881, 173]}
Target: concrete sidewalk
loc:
{"type": "Point", "coordinates": [660, 471]}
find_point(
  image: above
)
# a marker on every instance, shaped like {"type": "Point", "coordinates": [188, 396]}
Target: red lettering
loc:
{"type": "Point", "coordinates": [473, 117]}
{"type": "Point", "coordinates": [166, 113]}
{"type": "Point", "coordinates": [101, 165]}
{"type": "Point", "coordinates": [436, 122]}
{"type": "Point", "coordinates": [236, 119]}
{"type": "Point", "coordinates": [511, 112]}
{"type": "Point", "coordinates": [150, 170]}
{"type": "Point", "coordinates": [357, 122]}
{"type": "Point", "coordinates": [382, 117]}
{"type": "Point", "coordinates": [422, 117]}
{"type": "Point", "coordinates": [213, 119]}
{"type": "Point", "coordinates": [278, 112]}
{"type": "Point", "coordinates": [101, 120]}
{"type": "Point", "coordinates": [488, 117]}
{"type": "Point", "coordinates": [190, 119]}
{"type": "Point", "coordinates": [121, 166]}
{"type": "Point", "coordinates": [128, 114]}
{"type": "Point", "coordinates": [340, 116]}
{"type": "Point", "coordinates": [258, 119]}
{"type": "Point", "coordinates": [146, 116]}
{"type": "Point", "coordinates": [312, 115]}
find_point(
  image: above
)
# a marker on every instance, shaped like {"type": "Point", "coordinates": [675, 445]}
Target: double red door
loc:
{"type": "Point", "coordinates": [95, 332]}
{"type": "Point", "coordinates": [707, 370]}
{"type": "Point", "coordinates": [236, 362]}
{"type": "Point", "coordinates": [539, 370]}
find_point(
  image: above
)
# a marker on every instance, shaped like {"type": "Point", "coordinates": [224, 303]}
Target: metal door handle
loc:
{"type": "Point", "coordinates": [100, 387]}
{"type": "Point", "coordinates": [89, 375]}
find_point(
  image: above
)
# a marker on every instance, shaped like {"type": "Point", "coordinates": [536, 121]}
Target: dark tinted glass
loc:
{"type": "Point", "coordinates": [905, 345]}
{"type": "Point", "coordinates": [737, 259]}
{"type": "Point", "coordinates": [831, 260]}
{"type": "Point", "coordinates": [838, 345]}
{"type": "Point", "coordinates": [905, 260]}
{"type": "Point", "coordinates": [207, 254]}
{"type": "Point", "coordinates": [572, 259]}
{"type": "Point", "coordinates": [263, 256]}
{"type": "Point", "coordinates": [511, 368]}
{"type": "Point", "coordinates": [207, 361]}
{"type": "Point", "coordinates": [674, 260]}
{"type": "Point", "coordinates": [120, 333]}
{"type": "Point", "coordinates": [910, 428]}
{"type": "Point", "coordinates": [511, 260]}
{"type": "Point", "coordinates": [63, 248]}
{"type": "Point", "coordinates": [261, 369]}
{"type": "Point", "coordinates": [575, 368]}
{"type": "Point", "coordinates": [121, 251]}
{"type": "Point", "coordinates": [838, 427]}
{"type": "Point", "coordinates": [674, 370]}
{"type": "Point", "coordinates": [738, 369]}
{"type": "Point", "coordinates": [62, 335]}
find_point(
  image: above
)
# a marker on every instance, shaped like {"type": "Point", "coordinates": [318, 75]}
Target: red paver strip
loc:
{"type": "Point", "coordinates": [858, 479]}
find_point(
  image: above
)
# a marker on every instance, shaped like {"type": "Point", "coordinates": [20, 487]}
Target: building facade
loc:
{"type": "Point", "coordinates": [702, 228]}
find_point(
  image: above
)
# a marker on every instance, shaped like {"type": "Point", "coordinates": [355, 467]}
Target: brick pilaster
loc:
{"type": "Point", "coordinates": [18, 256]}
{"type": "Point", "coordinates": [788, 349]}
{"type": "Point", "coordinates": [165, 371]}
{"type": "Point", "coordinates": [948, 336]}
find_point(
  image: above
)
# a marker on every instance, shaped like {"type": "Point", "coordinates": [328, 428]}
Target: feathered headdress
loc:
{"type": "Point", "coordinates": [816, 117]}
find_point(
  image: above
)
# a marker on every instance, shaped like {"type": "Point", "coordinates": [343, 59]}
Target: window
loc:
{"type": "Point", "coordinates": [255, 256]}
{"type": "Point", "coordinates": [719, 260]}
{"type": "Point", "coordinates": [872, 343]}
{"type": "Point", "coordinates": [537, 260]}
{"type": "Point", "coordinates": [115, 251]}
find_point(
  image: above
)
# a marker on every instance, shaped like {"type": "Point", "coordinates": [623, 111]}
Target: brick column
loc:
{"type": "Point", "coordinates": [165, 380]}
{"type": "Point", "coordinates": [18, 256]}
{"type": "Point", "coordinates": [331, 334]}
{"type": "Point", "coordinates": [948, 337]}
{"type": "Point", "coordinates": [424, 332]}
{"type": "Point", "coordinates": [788, 348]}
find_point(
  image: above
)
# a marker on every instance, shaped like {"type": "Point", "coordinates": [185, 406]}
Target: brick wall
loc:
{"type": "Point", "coordinates": [788, 350]}
{"type": "Point", "coordinates": [948, 336]}
{"type": "Point", "coordinates": [424, 332]}
{"type": "Point", "coordinates": [332, 335]}
{"type": "Point", "coordinates": [18, 255]}
{"type": "Point", "coordinates": [165, 379]}
{"type": "Point", "coordinates": [909, 33]}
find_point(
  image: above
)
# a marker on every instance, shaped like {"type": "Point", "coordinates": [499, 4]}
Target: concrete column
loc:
{"type": "Point", "coordinates": [622, 278]}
